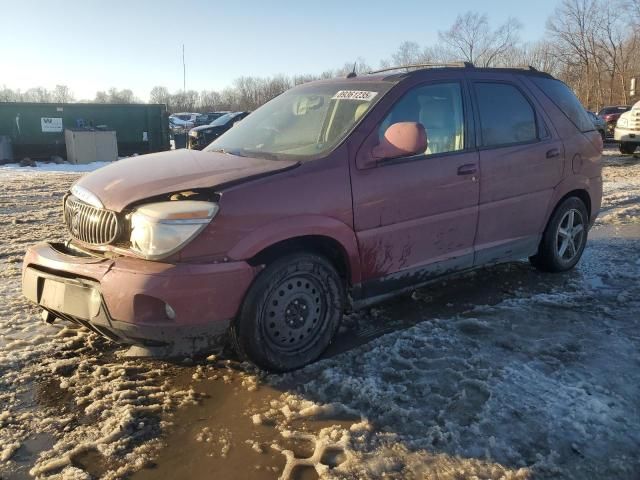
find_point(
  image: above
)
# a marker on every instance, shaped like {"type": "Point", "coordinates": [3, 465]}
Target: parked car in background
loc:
{"type": "Point", "coordinates": [332, 196]}
{"type": "Point", "coordinates": [611, 114]}
{"type": "Point", "coordinates": [200, 137]}
{"type": "Point", "coordinates": [188, 119]}
{"type": "Point", "coordinates": [207, 118]}
{"type": "Point", "coordinates": [599, 123]}
{"type": "Point", "coordinates": [177, 125]}
{"type": "Point", "coordinates": [627, 130]}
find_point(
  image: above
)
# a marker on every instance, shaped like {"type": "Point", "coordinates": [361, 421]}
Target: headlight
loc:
{"type": "Point", "coordinates": [160, 229]}
{"type": "Point", "coordinates": [622, 123]}
{"type": "Point", "coordinates": [193, 133]}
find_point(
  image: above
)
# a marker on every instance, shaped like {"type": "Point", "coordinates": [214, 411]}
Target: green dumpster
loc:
{"type": "Point", "coordinates": [36, 130]}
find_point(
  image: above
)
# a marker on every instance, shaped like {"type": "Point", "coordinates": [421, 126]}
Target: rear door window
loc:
{"type": "Point", "coordinates": [506, 116]}
{"type": "Point", "coordinates": [566, 101]}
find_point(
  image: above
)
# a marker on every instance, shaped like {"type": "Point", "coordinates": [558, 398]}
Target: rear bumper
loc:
{"type": "Point", "coordinates": [595, 193]}
{"type": "Point", "coordinates": [125, 299]}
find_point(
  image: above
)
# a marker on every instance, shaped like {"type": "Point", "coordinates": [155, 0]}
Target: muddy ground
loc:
{"type": "Point", "coordinates": [502, 373]}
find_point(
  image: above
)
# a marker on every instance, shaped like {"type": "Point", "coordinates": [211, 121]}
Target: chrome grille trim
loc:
{"type": "Point", "coordinates": [88, 224]}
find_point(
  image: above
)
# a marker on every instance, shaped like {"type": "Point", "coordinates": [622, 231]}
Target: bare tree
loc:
{"type": "Point", "coordinates": [407, 53]}
{"type": "Point", "coordinates": [634, 6]}
{"type": "Point", "coordinates": [573, 27]}
{"type": "Point", "coordinates": [471, 38]}
{"type": "Point", "coordinates": [210, 100]}
{"type": "Point", "coordinates": [38, 94]}
{"type": "Point", "coordinates": [101, 97]}
{"type": "Point", "coordinates": [62, 94]}
{"type": "Point", "coordinates": [113, 95]}
{"type": "Point", "coordinates": [159, 95]}
{"type": "Point", "coordinates": [8, 95]}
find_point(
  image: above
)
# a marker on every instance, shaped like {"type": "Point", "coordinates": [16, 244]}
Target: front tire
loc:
{"type": "Point", "coordinates": [290, 313]}
{"type": "Point", "coordinates": [564, 238]}
{"type": "Point", "coordinates": [627, 148]}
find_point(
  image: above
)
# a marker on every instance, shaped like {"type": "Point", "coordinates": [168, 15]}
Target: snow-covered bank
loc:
{"type": "Point", "coordinates": [56, 167]}
{"type": "Point", "coordinates": [543, 385]}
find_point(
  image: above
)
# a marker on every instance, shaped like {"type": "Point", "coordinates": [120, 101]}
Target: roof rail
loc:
{"type": "Point", "coordinates": [419, 66]}
{"type": "Point", "coordinates": [522, 67]}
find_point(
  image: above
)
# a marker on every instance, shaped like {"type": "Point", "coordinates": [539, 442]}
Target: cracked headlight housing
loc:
{"type": "Point", "coordinates": [160, 229]}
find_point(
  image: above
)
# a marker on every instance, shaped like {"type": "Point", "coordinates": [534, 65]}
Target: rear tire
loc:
{"type": "Point", "coordinates": [290, 313]}
{"type": "Point", "coordinates": [627, 148]}
{"type": "Point", "coordinates": [564, 237]}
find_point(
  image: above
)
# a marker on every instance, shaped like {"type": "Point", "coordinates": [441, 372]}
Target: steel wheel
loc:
{"type": "Point", "coordinates": [570, 235]}
{"type": "Point", "coordinates": [294, 313]}
{"type": "Point", "coordinates": [290, 313]}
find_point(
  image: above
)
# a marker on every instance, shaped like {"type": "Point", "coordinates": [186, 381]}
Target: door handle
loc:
{"type": "Point", "coordinates": [467, 169]}
{"type": "Point", "coordinates": [553, 153]}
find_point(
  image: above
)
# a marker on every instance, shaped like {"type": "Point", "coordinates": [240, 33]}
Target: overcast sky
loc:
{"type": "Point", "coordinates": [93, 45]}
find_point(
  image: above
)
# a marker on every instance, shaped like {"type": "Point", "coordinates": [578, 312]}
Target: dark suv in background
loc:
{"type": "Point", "coordinates": [332, 196]}
{"type": "Point", "coordinates": [200, 137]}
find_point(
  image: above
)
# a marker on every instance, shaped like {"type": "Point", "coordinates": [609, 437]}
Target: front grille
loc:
{"type": "Point", "coordinates": [634, 120]}
{"type": "Point", "coordinates": [89, 224]}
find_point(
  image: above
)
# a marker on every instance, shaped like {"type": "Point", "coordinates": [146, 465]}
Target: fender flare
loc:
{"type": "Point", "coordinates": [300, 226]}
{"type": "Point", "coordinates": [567, 185]}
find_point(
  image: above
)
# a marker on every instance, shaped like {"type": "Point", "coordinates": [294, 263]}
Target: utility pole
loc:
{"type": "Point", "coordinates": [184, 72]}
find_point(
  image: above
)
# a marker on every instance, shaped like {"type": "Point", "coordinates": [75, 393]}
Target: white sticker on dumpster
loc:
{"type": "Point", "coordinates": [361, 95]}
{"type": "Point", "coordinates": [51, 124]}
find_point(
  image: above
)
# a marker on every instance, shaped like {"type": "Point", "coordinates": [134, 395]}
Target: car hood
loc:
{"type": "Point", "coordinates": [136, 178]}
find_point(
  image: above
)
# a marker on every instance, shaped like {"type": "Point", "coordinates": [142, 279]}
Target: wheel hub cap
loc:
{"type": "Point", "coordinates": [570, 235]}
{"type": "Point", "coordinates": [294, 313]}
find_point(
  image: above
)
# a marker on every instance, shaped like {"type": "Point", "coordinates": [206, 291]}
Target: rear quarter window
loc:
{"type": "Point", "coordinates": [566, 101]}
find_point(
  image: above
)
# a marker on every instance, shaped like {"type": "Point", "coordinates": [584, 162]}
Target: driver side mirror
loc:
{"type": "Point", "coordinates": [401, 139]}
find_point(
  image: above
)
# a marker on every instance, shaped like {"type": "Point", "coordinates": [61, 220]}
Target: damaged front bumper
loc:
{"type": "Point", "coordinates": [172, 308]}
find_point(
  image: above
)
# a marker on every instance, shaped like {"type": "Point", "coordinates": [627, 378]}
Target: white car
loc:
{"type": "Point", "coordinates": [627, 130]}
{"type": "Point", "coordinates": [185, 118]}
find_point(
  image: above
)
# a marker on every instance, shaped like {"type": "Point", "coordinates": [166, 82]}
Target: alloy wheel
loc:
{"type": "Point", "coordinates": [570, 235]}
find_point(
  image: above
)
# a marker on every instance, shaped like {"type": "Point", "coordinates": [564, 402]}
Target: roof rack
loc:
{"type": "Point", "coordinates": [522, 67]}
{"type": "Point", "coordinates": [420, 66]}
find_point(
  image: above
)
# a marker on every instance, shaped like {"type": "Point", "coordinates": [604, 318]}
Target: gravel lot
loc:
{"type": "Point", "coordinates": [503, 373]}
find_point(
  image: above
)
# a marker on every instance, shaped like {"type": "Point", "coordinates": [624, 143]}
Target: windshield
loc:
{"type": "Point", "coordinates": [303, 123]}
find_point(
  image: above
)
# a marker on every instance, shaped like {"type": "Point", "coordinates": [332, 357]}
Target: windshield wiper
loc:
{"type": "Point", "coordinates": [226, 152]}
{"type": "Point", "coordinates": [261, 154]}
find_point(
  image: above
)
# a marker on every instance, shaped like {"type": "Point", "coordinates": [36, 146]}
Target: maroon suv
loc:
{"type": "Point", "coordinates": [332, 196]}
{"type": "Point", "coordinates": [611, 115]}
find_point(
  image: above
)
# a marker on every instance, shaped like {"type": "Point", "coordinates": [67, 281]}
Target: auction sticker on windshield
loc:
{"type": "Point", "coordinates": [354, 95]}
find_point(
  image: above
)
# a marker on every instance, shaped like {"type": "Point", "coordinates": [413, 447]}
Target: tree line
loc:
{"type": "Point", "coordinates": [592, 45]}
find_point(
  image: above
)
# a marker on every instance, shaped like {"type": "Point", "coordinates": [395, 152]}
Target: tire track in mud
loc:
{"type": "Point", "coordinates": [68, 405]}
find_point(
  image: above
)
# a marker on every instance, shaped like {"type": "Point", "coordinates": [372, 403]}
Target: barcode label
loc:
{"type": "Point", "coordinates": [361, 95]}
